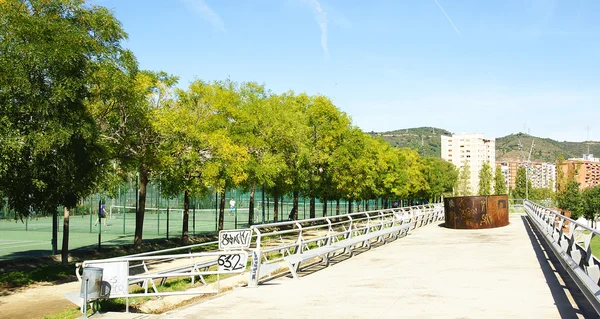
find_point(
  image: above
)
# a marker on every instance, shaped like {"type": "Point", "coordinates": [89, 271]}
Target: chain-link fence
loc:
{"type": "Point", "coordinates": [163, 218]}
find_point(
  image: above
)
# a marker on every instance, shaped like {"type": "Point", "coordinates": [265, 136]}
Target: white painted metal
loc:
{"type": "Point", "coordinates": [570, 242]}
{"type": "Point", "coordinates": [291, 243]}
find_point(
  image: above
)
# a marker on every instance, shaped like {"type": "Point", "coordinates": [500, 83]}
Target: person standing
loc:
{"type": "Point", "coordinates": [101, 214]}
{"type": "Point", "coordinates": [231, 206]}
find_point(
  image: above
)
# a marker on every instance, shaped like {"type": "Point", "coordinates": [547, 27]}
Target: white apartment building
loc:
{"type": "Point", "coordinates": [543, 175]}
{"type": "Point", "coordinates": [474, 149]}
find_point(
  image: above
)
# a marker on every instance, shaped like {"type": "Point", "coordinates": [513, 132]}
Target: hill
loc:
{"type": "Point", "coordinates": [427, 141]}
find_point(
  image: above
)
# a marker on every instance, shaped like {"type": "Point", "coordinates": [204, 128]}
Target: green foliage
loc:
{"type": "Point", "coordinates": [499, 184]}
{"type": "Point", "coordinates": [427, 141]}
{"type": "Point", "coordinates": [538, 194]}
{"type": "Point", "coordinates": [463, 187]}
{"type": "Point", "coordinates": [570, 198]}
{"type": "Point", "coordinates": [440, 175]}
{"type": "Point", "coordinates": [49, 54]}
{"type": "Point", "coordinates": [485, 180]}
{"type": "Point", "coordinates": [521, 186]}
{"type": "Point", "coordinates": [44, 272]}
{"type": "Point", "coordinates": [76, 116]}
{"type": "Point", "coordinates": [591, 203]}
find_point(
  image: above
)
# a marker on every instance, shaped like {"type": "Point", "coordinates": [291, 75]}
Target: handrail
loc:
{"type": "Point", "coordinates": [574, 252]}
{"type": "Point", "coordinates": [270, 247]}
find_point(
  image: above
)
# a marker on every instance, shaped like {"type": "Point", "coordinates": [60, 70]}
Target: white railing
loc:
{"type": "Point", "coordinates": [118, 280]}
{"type": "Point", "coordinates": [273, 242]}
{"type": "Point", "coordinates": [270, 244]}
{"type": "Point", "coordinates": [571, 243]}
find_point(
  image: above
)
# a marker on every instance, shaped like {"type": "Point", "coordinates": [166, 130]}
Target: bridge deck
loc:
{"type": "Point", "coordinates": [433, 273]}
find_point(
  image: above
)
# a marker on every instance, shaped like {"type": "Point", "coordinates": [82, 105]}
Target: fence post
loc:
{"type": "Point", "coordinates": [167, 221]}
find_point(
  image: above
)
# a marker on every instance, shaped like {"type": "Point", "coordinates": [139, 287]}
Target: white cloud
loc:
{"type": "Point", "coordinates": [206, 13]}
{"type": "Point", "coordinates": [321, 17]}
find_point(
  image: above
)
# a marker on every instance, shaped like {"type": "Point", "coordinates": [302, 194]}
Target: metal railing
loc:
{"type": "Point", "coordinates": [273, 242]}
{"type": "Point", "coordinates": [571, 243]}
{"type": "Point", "coordinates": [119, 278]}
{"type": "Point", "coordinates": [270, 244]}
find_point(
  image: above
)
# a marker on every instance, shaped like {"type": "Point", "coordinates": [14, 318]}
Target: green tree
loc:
{"type": "Point", "coordinates": [591, 203]}
{"type": "Point", "coordinates": [499, 184]}
{"type": "Point", "coordinates": [51, 53]}
{"type": "Point", "coordinates": [463, 187]}
{"type": "Point", "coordinates": [326, 124]}
{"type": "Point", "coordinates": [440, 176]}
{"type": "Point", "coordinates": [570, 198]}
{"type": "Point", "coordinates": [485, 180]}
{"type": "Point", "coordinates": [521, 184]}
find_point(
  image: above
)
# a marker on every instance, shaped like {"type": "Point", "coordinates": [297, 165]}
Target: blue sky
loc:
{"type": "Point", "coordinates": [495, 67]}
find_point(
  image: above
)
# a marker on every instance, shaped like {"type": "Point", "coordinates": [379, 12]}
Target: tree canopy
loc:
{"type": "Point", "coordinates": [77, 115]}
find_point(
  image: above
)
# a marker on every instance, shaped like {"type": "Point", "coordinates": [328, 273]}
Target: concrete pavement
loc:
{"type": "Point", "coordinates": [433, 273]}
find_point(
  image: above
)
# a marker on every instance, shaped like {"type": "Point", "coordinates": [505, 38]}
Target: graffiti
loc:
{"type": "Point", "coordinates": [254, 265]}
{"type": "Point", "coordinates": [233, 262]}
{"type": "Point", "coordinates": [234, 239]}
{"type": "Point", "coordinates": [474, 212]}
{"type": "Point", "coordinates": [503, 202]}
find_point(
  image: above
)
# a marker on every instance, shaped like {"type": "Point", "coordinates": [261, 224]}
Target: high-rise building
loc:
{"type": "Point", "coordinates": [586, 170]}
{"type": "Point", "coordinates": [541, 175]}
{"type": "Point", "coordinates": [471, 149]}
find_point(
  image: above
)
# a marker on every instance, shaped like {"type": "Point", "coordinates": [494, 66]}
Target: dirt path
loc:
{"type": "Point", "coordinates": [38, 301]}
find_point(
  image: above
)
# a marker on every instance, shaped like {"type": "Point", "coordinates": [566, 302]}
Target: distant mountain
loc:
{"type": "Point", "coordinates": [427, 141]}
{"type": "Point", "coordinates": [544, 149]}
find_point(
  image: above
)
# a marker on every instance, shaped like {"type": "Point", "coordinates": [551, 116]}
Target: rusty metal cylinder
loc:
{"type": "Point", "coordinates": [476, 212]}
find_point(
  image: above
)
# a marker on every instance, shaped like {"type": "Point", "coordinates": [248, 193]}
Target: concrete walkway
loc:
{"type": "Point", "coordinates": [433, 273]}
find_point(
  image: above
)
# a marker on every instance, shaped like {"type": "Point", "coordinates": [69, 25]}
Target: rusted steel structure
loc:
{"type": "Point", "coordinates": [476, 212]}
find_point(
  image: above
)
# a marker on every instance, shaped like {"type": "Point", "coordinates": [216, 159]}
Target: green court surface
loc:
{"type": "Point", "coordinates": [32, 237]}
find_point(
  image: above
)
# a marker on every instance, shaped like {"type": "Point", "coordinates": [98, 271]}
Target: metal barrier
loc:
{"type": "Point", "coordinates": [275, 242]}
{"type": "Point", "coordinates": [270, 245]}
{"type": "Point", "coordinates": [570, 242]}
{"type": "Point", "coordinates": [117, 277]}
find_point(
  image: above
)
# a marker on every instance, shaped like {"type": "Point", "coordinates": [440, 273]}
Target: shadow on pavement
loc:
{"type": "Point", "coordinates": [551, 267]}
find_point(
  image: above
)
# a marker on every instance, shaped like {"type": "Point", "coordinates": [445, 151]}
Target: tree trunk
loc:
{"type": "Point", "coordinates": [337, 206]}
{"type": "Point", "coordinates": [324, 207]}
{"type": "Point", "coordinates": [141, 209]}
{"type": "Point", "coordinates": [376, 203]}
{"type": "Point", "coordinates": [275, 208]}
{"type": "Point", "coordinates": [350, 206]}
{"type": "Point", "coordinates": [385, 204]}
{"type": "Point", "coordinates": [186, 217]}
{"type": "Point", "coordinates": [251, 207]}
{"type": "Point", "coordinates": [366, 205]}
{"type": "Point", "coordinates": [221, 210]}
{"type": "Point", "coordinates": [65, 241]}
{"type": "Point", "coordinates": [312, 204]}
{"type": "Point", "coordinates": [295, 207]}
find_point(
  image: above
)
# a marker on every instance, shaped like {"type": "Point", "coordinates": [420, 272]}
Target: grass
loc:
{"type": "Point", "coordinates": [119, 304]}
{"type": "Point", "coordinates": [39, 273]}
{"type": "Point", "coordinates": [69, 314]}
{"type": "Point", "coordinates": [23, 273]}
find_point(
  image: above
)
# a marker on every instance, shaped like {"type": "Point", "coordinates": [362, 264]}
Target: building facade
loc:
{"type": "Point", "coordinates": [585, 170]}
{"type": "Point", "coordinates": [541, 175]}
{"type": "Point", "coordinates": [471, 149]}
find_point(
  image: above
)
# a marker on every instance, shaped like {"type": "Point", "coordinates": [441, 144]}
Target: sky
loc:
{"type": "Point", "coordinates": [492, 67]}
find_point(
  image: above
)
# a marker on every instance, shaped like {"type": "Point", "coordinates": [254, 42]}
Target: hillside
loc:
{"type": "Point", "coordinates": [426, 140]}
